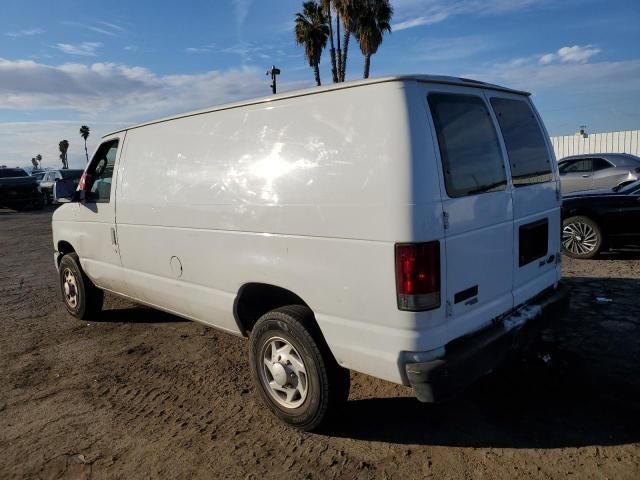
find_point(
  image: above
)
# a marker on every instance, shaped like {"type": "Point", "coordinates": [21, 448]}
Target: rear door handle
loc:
{"type": "Point", "coordinates": [586, 176]}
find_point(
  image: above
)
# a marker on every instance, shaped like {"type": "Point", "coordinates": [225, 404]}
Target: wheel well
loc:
{"type": "Point", "coordinates": [256, 299]}
{"type": "Point", "coordinates": [64, 248]}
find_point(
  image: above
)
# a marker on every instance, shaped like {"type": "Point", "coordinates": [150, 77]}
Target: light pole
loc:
{"type": "Point", "coordinates": [273, 72]}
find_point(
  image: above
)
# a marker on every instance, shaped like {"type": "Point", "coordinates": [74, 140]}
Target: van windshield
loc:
{"type": "Point", "coordinates": [523, 137]}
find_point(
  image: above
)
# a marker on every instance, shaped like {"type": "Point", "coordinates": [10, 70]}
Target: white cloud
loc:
{"type": "Point", "coordinates": [574, 54]}
{"type": "Point", "coordinates": [204, 49]}
{"type": "Point", "coordinates": [106, 96]}
{"type": "Point", "coordinates": [242, 10]}
{"type": "Point", "coordinates": [85, 49]}
{"type": "Point", "coordinates": [449, 48]}
{"type": "Point", "coordinates": [104, 28]}
{"type": "Point", "coordinates": [572, 77]}
{"type": "Point", "coordinates": [415, 13]}
{"type": "Point", "coordinates": [25, 33]}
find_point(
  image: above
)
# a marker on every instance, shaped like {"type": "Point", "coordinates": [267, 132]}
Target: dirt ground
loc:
{"type": "Point", "coordinates": [137, 393]}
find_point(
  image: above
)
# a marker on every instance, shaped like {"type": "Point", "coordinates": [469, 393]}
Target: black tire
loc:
{"type": "Point", "coordinates": [88, 298]}
{"type": "Point", "coordinates": [581, 246]}
{"type": "Point", "coordinates": [327, 383]}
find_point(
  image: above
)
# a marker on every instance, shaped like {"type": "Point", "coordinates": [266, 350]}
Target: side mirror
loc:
{"type": "Point", "coordinates": [64, 191]}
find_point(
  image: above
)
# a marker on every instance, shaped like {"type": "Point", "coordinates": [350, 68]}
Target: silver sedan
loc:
{"type": "Point", "coordinates": [596, 171]}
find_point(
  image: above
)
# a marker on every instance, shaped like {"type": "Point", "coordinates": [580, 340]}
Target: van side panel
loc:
{"type": "Point", "coordinates": [307, 193]}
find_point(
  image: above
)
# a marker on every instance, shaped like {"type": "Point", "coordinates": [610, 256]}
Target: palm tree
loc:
{"type": "Point", "coordinates": [39, 160]}
{"type": "Point", "coordinates": [64, 147]}
{"type": "Point", "coordinates": [326, 9]}
{"type": "Point", "coordinates": [84, 133]}
{"type": "Point", "coordinates": [312, 31]}
{"type": "Point", "coordinates": [348, 11]}
{"type": "Point", "coordinates": [373, 20]}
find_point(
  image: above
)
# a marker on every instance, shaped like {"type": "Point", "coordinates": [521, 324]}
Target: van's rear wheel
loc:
{"type": "Point", "coordinates": [81, 297]}
{"type": "Point", "coordinates": [581, 237]}
{"type": "Point", "coordinates": [296, 375]}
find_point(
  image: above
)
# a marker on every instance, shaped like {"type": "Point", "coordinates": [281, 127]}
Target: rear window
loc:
{"type": "Point", "coordinates": [524, 140]}
{"type": "Point", "coordinates": [12, 172]}
{"type": "Point", "coordinates": [469, 148]}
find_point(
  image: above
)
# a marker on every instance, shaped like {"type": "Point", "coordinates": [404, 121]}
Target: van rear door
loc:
{"type": "Point", "coordinates": [477, 207]}
{"type": "Point", "coordinates": [536, 194]}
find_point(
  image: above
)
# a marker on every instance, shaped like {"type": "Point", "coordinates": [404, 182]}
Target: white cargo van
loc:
{"type": "Point", "coordinates": [406, 227]}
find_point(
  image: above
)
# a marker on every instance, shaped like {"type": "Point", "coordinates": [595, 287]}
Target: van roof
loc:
{"type": "Point", "coordinates": [467, 82]}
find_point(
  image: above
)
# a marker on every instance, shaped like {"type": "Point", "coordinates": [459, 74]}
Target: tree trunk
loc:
{"type": "Point", "coordinates": [316, 71]}
{"type": "Point", "coordinates": [332, 50]}
{"type": "Point", "coordinates": [86, 153]}
{"type": "Point", "coordinates": [339, 52]}
{"type": "Point", "coordinates": [367, 63]}
{"type": "Point", "coordinates": [343, 72]}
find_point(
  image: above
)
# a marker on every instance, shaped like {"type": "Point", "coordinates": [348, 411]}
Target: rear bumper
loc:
{"type": "Point", "coordinates": [468, 358]}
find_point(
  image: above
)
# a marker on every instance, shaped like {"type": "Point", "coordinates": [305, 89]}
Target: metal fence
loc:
{"type": "Point", "coordinates": [610, 142]}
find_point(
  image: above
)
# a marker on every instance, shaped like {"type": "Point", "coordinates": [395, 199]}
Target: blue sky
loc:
{"type": "Point", "coordinates": [108, 64]}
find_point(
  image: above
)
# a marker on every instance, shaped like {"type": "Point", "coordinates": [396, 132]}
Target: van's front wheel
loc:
{"type": "Point", "coordinates": [81, 297]}
{"type": "Point", "coordinates": [296, 375]}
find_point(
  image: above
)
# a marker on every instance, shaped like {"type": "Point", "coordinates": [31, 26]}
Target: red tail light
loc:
{"type": "Point", "coordinates": [418, 275]}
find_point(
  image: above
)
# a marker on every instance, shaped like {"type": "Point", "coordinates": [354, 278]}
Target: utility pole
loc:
{"type": "Point", "coordinates": [273, 72]}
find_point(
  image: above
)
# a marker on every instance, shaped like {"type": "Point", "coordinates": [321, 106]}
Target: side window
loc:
{"type": "Point", "coordinates": [524, 140]}
{"type": "Point", "coordinates": [564, 166]}
{"type": "Point", "coordinates": [600, 164]}
{"type": "Point", "coordinates": [469, 148]}
{"type": "Point", "coordinates": [100, 173]}
{"type": "Point", "coordinates": [583, 165]}
{"type": "Point", "coordinates": [57, 176]}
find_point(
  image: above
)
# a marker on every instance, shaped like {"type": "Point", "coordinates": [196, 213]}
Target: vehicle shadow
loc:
{"type": "Point", "coordinates": [139, 314]}
{"type": "Point", "coordinates": [588, 394]}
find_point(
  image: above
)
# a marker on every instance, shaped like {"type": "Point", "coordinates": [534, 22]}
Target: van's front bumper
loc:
{"type": "Point", "coordinates": [468, 358]}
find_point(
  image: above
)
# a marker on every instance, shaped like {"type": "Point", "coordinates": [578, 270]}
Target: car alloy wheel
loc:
{"type": "Point", "coordinates": [579, 238]}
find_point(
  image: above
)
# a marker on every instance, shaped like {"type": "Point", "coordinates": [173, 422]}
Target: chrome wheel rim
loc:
{"type": "Point", "coordinates": [283, 373]}
{"type": "Point", "coordinates": [579, 238]}
{"type": "Point", "coordinates": [69, 288]}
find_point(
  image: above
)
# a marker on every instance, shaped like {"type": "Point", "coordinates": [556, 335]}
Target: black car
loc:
{"type": "Point", "coordinates": [51, 177]}
{"type": "Point", "coordinates": [595, 220]}
{"type": "Point", "coordinates": [18, 189]}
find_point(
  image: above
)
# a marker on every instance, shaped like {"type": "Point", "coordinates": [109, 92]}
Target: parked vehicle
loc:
{"type": "Point", "coordinates": [53, 176]}
{"type": "Point", "coordinates": [597, 220]}
{"type": "Point", "coordinates": [594, 171]}
{"type": "Point", "coordinates": [406, 227]}
{"type": "Point", "coordinates": [18, 190]}
{"type": "Point", "coordinates": [38, 175]}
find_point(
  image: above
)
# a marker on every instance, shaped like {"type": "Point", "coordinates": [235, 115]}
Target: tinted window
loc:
{"type": "Point", "coordinates": [101, 173]}
{"type": "Point", "coordinates": [71, 174]}
{"type": "Point", "coordinates": [600, 164]}
{"type": "Point", "coordinates": [524, 140]}
{"type": "Point", "coordinates": [578, 166]}
{"type": "Point", "coordinates": [12, 172]}
{"type": "Point", "coordinates": [469, 148]}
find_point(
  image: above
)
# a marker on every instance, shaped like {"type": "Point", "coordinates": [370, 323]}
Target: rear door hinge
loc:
{"type": "Point", "coordinates": [445, 219]}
